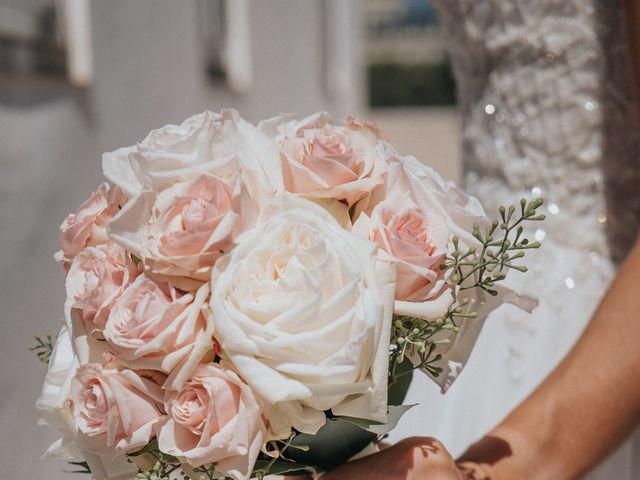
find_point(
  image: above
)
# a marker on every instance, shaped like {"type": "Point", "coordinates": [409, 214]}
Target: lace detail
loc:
{"type": "Point", "coordinates": [544, 93]}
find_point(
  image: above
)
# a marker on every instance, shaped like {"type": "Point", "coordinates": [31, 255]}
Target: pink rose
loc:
{"type": "Point", "coordinates": [87, 227]}
{"type": "Point", "coordinates": [153, 326]}
{"type": "Point", "coordinates": [180, 231]}
{"type": "Point", "coordinates": [321, 160]}
{"type": "Point", "coordinates": [408, 176]}
{"type": "Point", "coordinates": [417, 242]}
{"type": "Point", "coordinates": [412, 218]}
{"type": "Point", "coordinates": [114, 409]}
{"type": "Point", "coordinates": [185, 225]}
{"type": "Point", "coordinates": [96, 277]}
{"type": "Point", "coordinates": [215, 417]}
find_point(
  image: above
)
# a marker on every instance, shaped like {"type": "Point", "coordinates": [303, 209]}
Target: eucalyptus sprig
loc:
{"type": "Point", "coordinates": [418, 340]}
{"type": "Point", "coordinates": [276, 457]}
{"type": "Point", "coordinates": [163, 466]}
{"type": "Point", "coordinates": [43, 348]}
{"type": "Point", "coordinates": [502, 244]}
{"type": "Point", "coordinates": [208, 473]}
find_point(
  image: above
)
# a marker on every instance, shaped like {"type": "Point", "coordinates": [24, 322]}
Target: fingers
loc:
{"type": "Point", "coordinates": [416, 458]}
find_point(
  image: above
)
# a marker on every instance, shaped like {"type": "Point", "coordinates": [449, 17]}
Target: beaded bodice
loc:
{"type": "Point", "coordinates": [544, 89]}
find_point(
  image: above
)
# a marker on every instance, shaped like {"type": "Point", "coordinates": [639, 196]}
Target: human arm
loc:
{"type": "Point", "coordinates": [586, 407]}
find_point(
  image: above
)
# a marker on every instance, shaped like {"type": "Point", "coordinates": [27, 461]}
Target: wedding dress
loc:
{"type": "Point", "coordinates": [544, 94]}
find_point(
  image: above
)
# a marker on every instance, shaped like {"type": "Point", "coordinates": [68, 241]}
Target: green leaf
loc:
{"type": "Point", "coordinates": [334, 444]}
{"type": "Point", "coordinates": [399, 384]}
{"type": "Point", "coordinates": [43, 348]}
{"type": "Point", "coordinates": [395, 412]}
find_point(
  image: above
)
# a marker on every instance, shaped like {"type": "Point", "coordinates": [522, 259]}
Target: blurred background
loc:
{"type": "Point", "coordinates": [81, 77]}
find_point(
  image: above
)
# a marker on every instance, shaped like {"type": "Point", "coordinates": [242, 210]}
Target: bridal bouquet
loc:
{"type": "Point", "coordinates": [248, 300]}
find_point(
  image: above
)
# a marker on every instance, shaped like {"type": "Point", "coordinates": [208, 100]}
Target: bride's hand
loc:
{"type": "Point", "coordinates": [417, 458]}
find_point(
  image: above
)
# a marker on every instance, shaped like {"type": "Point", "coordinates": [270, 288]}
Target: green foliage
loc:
{"type": "Point", "coordinates": [163, 466]}
{"type": "Point", "coordinates": [394, 413]}
{"type": "Point", "coordinates": [166, 466]}
{"type": "Point", "coordinates": [335, 443]}
{"type": "Point", "coordinates": [207, 473]}
{"type": "Point", "coordinates": [281, 467]}
{"type": "Point", "coordinates": [277, 463]}
{"type": "Point", "coordinates": [43, 348]}
{"type": "Point", "coordinates": [502, 244]}
{"type": "Point", "coordinates": [414, 338]}
{"type": "Point", "coordinates": [396, 84]}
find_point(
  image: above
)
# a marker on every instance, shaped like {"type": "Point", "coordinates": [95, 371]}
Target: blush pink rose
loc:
{"type": "Point", "coordinates": [416, 242]}
{"type": "Point", "coordinates": [322, 160]}
{"type": "Point", "coordinates": [153, 326]}
{"type": "Point", "coordinates": [180, 231]}
{"type": "Point", "coordinates": [186, 225]}
{"type": "Point", "coordinates": [96, 277]}
{"type": "Point", "coordinates": [214, 418]}
{"type": "Point", "coordinates": [88, 225]}
{"type": "Point", "coordinates": [412, 218]}
{"type": "Point", "coordinates": [114, 409]}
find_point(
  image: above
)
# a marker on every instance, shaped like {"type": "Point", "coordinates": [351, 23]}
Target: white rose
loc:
{"type": "Point", "coordinates": [52, 405]}
{"type": "Point", "coordinates": [203, 143]}
{"type": "Point", "coordinates": [303, 308]}
{"type": "Point", "coordinates": [222, 144]}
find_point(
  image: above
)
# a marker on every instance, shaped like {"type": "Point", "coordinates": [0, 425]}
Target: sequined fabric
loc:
{"type": "Point", "coordinates": [545, 97]}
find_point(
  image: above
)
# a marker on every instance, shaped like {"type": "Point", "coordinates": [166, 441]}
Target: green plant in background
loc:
{"type": "Point", "coordinates": [396, 84]}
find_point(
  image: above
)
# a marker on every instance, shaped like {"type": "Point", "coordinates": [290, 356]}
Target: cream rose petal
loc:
{"type": "Point", "coordinates": [321, 337]}
{"type": "Point", "coordinates": [222, 144]}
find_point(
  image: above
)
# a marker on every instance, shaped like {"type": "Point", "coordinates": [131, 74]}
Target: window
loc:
{"type": "Point", "coordinates": [45, 40]}
{"type": "Point", "coordinates": [407, 63]}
